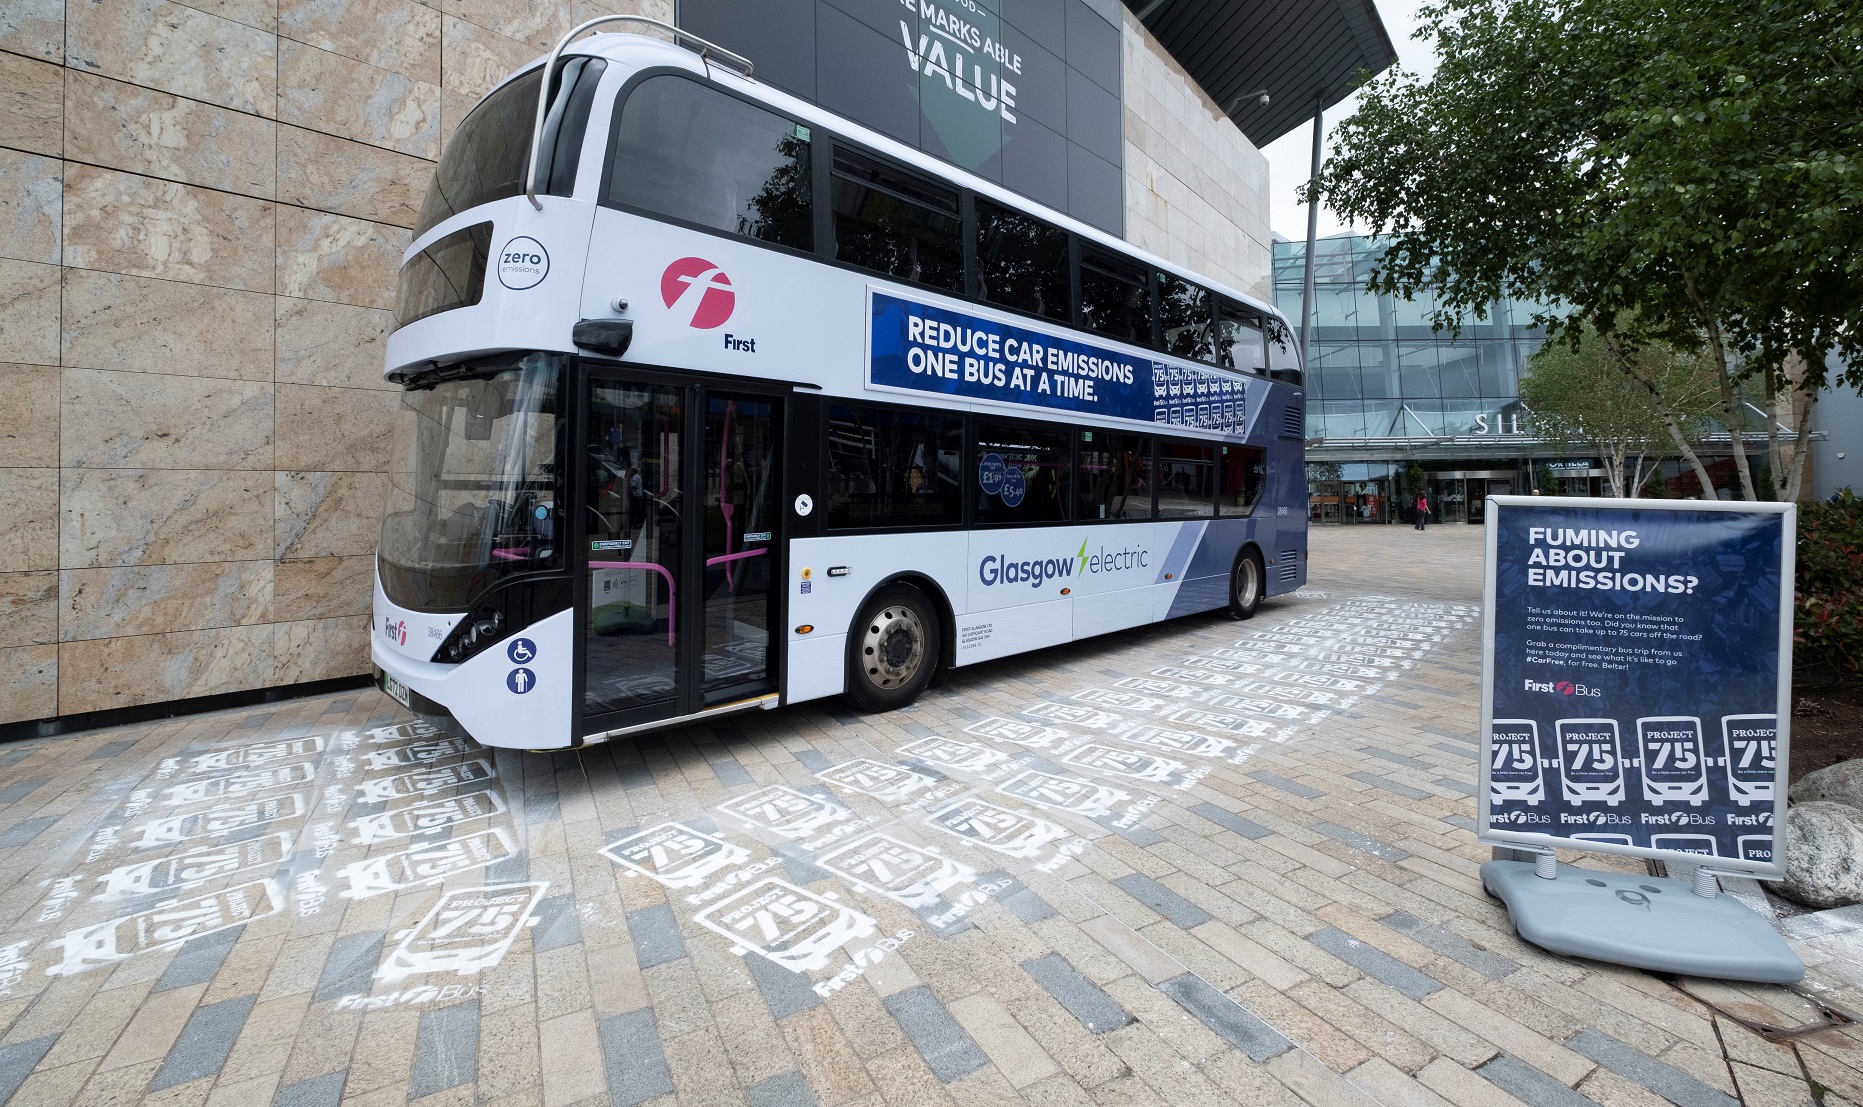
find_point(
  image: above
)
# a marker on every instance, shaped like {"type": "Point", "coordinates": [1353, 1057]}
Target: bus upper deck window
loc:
{"type": "Point", "coordinates": [1184, 318]}
{"type": "Point", "coordinates": [1115, 298]}
{"type": "Point", "coordinates": [1021, 262]}
{"type": "Point", "coordinates": [1283, 353]}
{"type": "Point", "coordinates": [694, 153]}
{"type": "Point", "coordinates": [1240, 342]}
{"type": "Point", "coordinates": [896, 223]}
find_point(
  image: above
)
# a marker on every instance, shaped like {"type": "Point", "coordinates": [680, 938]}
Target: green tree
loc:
{"type": "Point", "coordinates": [1581, 399]}
{"type": "Point", "coordinates": [1660, 170]}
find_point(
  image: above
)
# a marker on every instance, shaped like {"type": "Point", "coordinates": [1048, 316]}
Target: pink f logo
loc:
{"type": "Point", "coordinates": [699, 290]}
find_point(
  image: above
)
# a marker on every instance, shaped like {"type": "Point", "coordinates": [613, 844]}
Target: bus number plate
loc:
{"type": "Point", "coordinates": [396, 689]}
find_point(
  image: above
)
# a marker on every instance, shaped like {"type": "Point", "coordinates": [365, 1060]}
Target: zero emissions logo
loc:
{"type": "Point", "coordinates": [699, 290]}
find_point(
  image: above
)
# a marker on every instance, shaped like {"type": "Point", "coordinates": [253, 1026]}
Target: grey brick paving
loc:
{"type": "Point", "coordinates": [446, 1054]}
{"type": "Point", "coordinates": [1310, 900]}
{"type": "Point", "coordinates": [1530, 1085]}
{"type": "Point", "coordinates": [19, 790]}
{"type": "Point", "coordinates": [204, 1043]}
{"type": "Point", "coordinates": [1673, 1084]}
{"type": "Point", "coordinates": [656, 936]}
{"type": "Point", "coordinates": [1375, 963]}
{"type": "Point", "coordinates": [633, 1059]}
{"type": "Point", "coordinates": [1096, 1010]}
{"type": "Point", "coordinates": [1227, 1017]}
{"type": "Point", "coordinates": [318, 1091]}
{"type": "Point", "coordinates": [350, 967]}
{"type": "Point", "coordinates": [17, 1060]}
{"type": "Point", "coordinates": [1163, 900]}
{"type": "Point", "coordinates": [948, 1051]}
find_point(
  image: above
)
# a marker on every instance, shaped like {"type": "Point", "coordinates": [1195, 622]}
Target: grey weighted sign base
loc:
{"type": "Point", "coordinates": [1642, 921]}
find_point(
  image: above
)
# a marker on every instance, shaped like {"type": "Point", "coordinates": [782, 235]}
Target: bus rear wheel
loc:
{"type": "Point", "coordinates": [892, 649]}
{"type": "Point", "coordinates": [1245, 585]}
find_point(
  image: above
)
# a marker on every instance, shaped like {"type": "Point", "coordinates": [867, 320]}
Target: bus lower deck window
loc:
{"type": "Point", "coordinates": [1244, 475]}
{"type": "Point", "coordinates": [890, 468]}
{"type": "Point", "coordinates": [1186, 480]}
{"type": "Point", "coordinates": [1114, 476]}
{"type": "Point", "coordinates": [1022, 473]}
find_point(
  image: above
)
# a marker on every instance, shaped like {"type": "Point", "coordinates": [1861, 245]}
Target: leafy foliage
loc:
{"type": "Point", "coordinates": [1828, 620]}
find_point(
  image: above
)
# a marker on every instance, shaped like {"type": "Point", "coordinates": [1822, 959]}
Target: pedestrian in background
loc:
{"type": "Point", "coordinates": [1423, 510]}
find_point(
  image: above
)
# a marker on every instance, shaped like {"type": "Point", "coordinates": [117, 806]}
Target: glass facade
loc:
{"type": "Point", "coordinates": [1379, 371]}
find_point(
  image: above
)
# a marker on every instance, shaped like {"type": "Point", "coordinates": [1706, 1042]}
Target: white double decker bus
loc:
{"type": "Point", "coordinates": [715, 401]}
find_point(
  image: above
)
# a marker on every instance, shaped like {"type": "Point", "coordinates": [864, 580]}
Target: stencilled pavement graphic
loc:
{"type": "Point", "coordinates": [1205, 862]}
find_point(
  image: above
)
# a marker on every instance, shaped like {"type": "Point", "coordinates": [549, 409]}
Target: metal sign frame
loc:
{"type": "Point", "coordinates": [1496, 505]}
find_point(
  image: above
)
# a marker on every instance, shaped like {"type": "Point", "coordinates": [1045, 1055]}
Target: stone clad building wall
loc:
{"type": "Point", "coordinates": [202, 208]}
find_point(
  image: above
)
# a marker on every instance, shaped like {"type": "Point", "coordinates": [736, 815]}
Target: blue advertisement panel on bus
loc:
{"type": "Point", "coordinates": [1634, 676]}
{"type": "Point", "coordinates": [925, 348]}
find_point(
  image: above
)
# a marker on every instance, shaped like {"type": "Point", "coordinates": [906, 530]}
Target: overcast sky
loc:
{"type": "Point", "coordinates": [1290, 156]}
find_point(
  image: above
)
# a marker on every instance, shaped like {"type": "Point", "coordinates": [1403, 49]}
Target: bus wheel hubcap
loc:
{"type": "Point", "coordinates": [1245, 584]}
{"type": "Point", "coordinates": [893, 646]}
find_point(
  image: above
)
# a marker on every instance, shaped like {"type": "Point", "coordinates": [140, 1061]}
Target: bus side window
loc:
{"type": "Point", "coordinates": [694, 153]}
{"type": "Point", "coordinates": [1114, 476]}
{"type": "Point", "coordinates": [897, 223]}
{"type": "Point", "coordinates": [1283, 353]}
{"type": "Point", "coordinates": [1184, 318]}
{"type": "Point", "coordinates": [1115, 297]}
{"type": "Point", "coordinates": [1022, 473]}
{"type": "Point", "coordinates": [1240, 342]}
{"type": "Point", "coordinates": [1186, 480]}
{"type": "Point", "coordinates": [1244, 475]}
{"type": "Point", "coordinates": [893, 468]}
{"type": "Point", "coordinates": [1021, 262]}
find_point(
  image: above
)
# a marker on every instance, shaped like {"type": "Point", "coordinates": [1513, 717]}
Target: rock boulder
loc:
{"type": "Point", "coordinates": [1839, 783]}
{"type": "Point", "coordinates": [1823, 854]}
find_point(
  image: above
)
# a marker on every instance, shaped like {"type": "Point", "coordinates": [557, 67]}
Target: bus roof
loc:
{"type": "Point", "coordinates": [641, 52]}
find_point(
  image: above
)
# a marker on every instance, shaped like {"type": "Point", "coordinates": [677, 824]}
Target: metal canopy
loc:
{"type": "Point", "coordinates": [1300, 51]}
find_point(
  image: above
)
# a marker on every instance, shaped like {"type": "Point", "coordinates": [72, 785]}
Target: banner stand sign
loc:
{"type": "Point", "coordinates": [1636, 699]}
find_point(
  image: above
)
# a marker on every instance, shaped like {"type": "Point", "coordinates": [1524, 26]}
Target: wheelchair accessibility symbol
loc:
{"type": "Point", "coordinates": [521, 681]}
{"type": "Point", "coordinates": [522, 651]}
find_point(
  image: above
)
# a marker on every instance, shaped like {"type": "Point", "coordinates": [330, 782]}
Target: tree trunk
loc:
{"type": "Point", "coordinates": [1636, 480]}
{"type": "Point", "coordinates": [1775, 464]}
{"type": "Point", "coordinates": [1669, 421]}
{"type": "Point", "coordinates": [1803, 448]}
{"type": "Point", "coordinates": [1730, 412]}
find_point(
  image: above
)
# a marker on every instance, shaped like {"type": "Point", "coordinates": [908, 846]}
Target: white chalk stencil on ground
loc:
{"type": "Point", "coordinates": [917, 876]}
{"type": "Point", "coordinates": [675, 855]}
{"type": "Point", "coordinates": [783, 811]}
{"type": "Point", "coordinates": [791, 926]}
{"type": "Point", "coordinates": [253, 756]}
{"type": "Point", "coordinates": [426, 864]}
{"type": "Point", "coordinates": [468, 931]}
{"type": "Point", "coordinates": [221, 820]}
{"type": "Point", "coordinates": [889, 784]}
{"type": "Point", "coordinates": [166, 927]}
{"type": "Point", "coordinates": [428, 817]}
{"type": "Point", "coordinates": [239, 785]}
{"type": "Point", "coordinates": [424, 782]}
{"type": "Point", "coordinates": [194, 867]}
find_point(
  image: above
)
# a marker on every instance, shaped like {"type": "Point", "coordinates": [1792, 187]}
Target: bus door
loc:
{"type": "Point", "coordinates": [679, 490]}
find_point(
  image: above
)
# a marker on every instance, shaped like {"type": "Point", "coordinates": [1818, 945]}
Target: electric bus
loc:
{"type": "Point", "coordinates": [716, 401]}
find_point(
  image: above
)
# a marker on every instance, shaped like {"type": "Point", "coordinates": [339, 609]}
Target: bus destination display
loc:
{"type": "Point", "coordinates": [923, 348]}
{"type": "Point", "coordinates": [1634, 674]}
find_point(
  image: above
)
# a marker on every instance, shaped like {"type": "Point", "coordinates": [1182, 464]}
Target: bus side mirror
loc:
{"type": "Point", "coordinates": [604, 336]}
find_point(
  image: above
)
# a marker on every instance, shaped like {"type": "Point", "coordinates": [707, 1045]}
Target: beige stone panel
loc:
{"type": "Point", "coordinates": [28, 313]}
{"type": "Point", "coordinates": [319, 342]}
{"type": "Point", "coordinates": [29, 504]}
{"type": "Point", "coordinates": [163, 517]}
{"type": "Point", "coordinates": [139, 325]}
{"type": "Point", "coordinates": [28, 608]}
{"type": "Point", "coordinates": [262, 14]}
{"type": "Point", "coordinates": [326, 514]}
{"type": "Point", "coordinates": [661, 10]}
{"type": "Point", "coordinates": [478, 59]}
{"type": "Point", "coordinates": [398, 35]}
{"type": "Point", "coordinates": [321, 649]}
{"type": "Point", "coordinates": [152, 599]}
{"type": "Point", "coordinates": [316, 170]}
{"type": "Point", "coordinates": [31, 189]}
{"type": "Point", "coordinates": [323, 587]}
{"type": "Point", "coordinates": [345, 97]}
{"type": "Point", "coordinates": [536, 22]}
{"type": "Point", "coordinates": [139, 130]}
{"type": "Point", "coordinates": [123, 223]}
{"type": "Point", "coordinates": [28, 415]}
{"type": "Point", "coordinates": [109, 673]}
{"type": "Point", "coordinates": [28, 683]}
{"type": "Point", "coordinates": [176, 49]}
{"type": "Point", "coordinates": [32, 107]}
{"type": "Point", "coordinates": [35, 28]}
{"type": "Point", "coordinates": [111, 420]}
{"type": "Point", "coordinates": [333, 257]}
{"type": "Point", "coordinates": [334, 429]}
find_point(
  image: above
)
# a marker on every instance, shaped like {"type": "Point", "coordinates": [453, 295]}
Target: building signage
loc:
{"type": "Point", "coordinates": [1637, 676]}
{"type": "Point", "coordinates": [922, 348]}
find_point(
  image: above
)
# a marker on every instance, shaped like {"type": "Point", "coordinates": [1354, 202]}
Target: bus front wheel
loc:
{"type": "Point", "coordinates": [1245, 585]}
{"type": "Point", "coordinates": [892, 649]}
